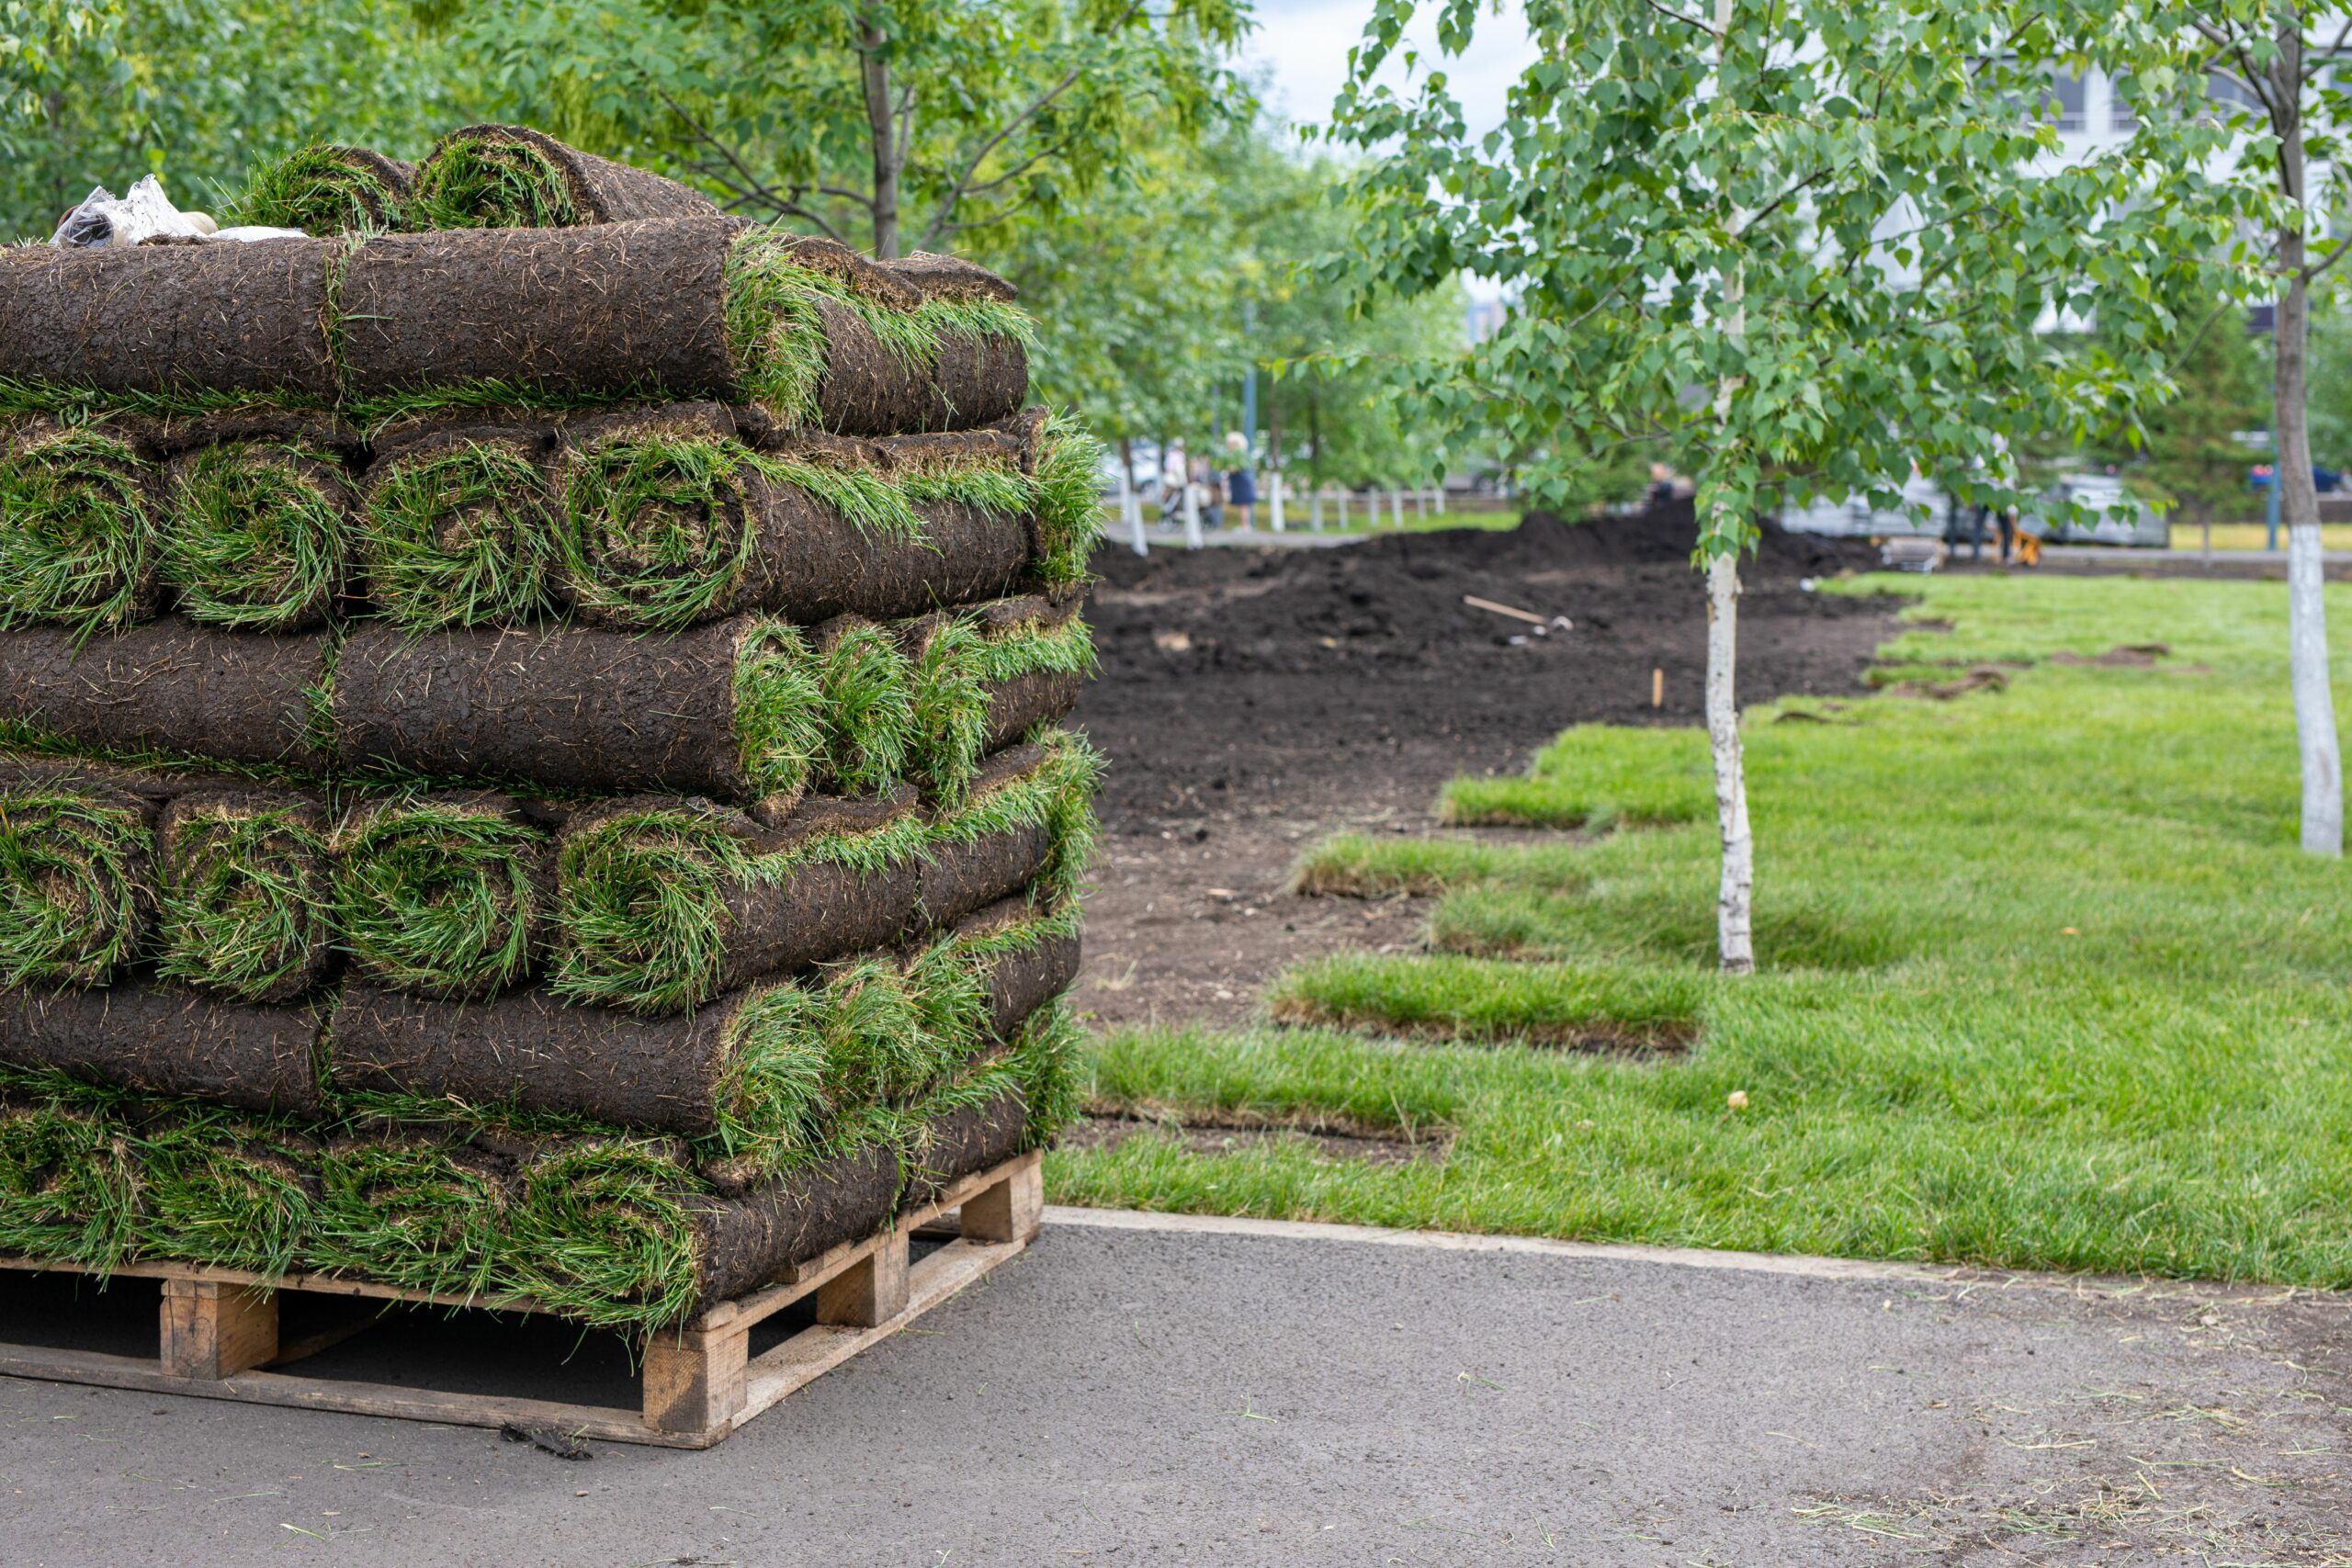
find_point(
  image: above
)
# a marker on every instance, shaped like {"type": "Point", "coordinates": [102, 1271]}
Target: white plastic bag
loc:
{"type": "Point", "coordinates": [145, 213]}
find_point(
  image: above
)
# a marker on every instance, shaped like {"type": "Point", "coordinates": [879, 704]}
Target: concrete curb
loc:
{"type": "Point", "coordinates": [1456, 1241]}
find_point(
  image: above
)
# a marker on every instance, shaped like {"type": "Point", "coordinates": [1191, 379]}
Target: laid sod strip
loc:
{"type": "Point", "coordinates": [244, 891]}
{"type": "Point", "coordinates": [227, 1190]}
{"type": "Point", "coordinates": [667, 525]}
{"type": "Point", "coordinates": [421, 1209]}
{"type": "Point", "coordinates": [666, 903]}
{"type": "Point", "coordinates": [169, 327]}
{"type": "Point", "coordinates": [169, 686]}
{"type": "Point", "coordinates": [1586, 1007]}
{"type": "Point", "coordinates": [81, 525]}
{"type": "Point", "coordinates": [449, 893]}
{"type": "Point", "coordinates": [764, 1067]}
{"type": "Point", "coordinates": [325, 190]}
{"type": "Point", "coordinates": [77, 881]}
{"type": "Point", "coordinates": [1595, 776]}
{"type": "Point", "coordinates": [459, 528]}
{"type": "Point", "coordinates": [733, 711]}
{"type": "Point", "coordinates": [166, 1039]}
{"type": "Point", "coordinates": [260, 535]}
{"type": "Point", "coordinates": [509, 177]}
{"type": "Point", "coordinates": [69, 1183]}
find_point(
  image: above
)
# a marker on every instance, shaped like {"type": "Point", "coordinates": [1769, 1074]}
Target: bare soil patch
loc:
{"type": "Point", "coordinates": [1253, 701]}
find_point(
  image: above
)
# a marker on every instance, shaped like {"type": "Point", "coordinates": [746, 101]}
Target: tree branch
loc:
{"type": "Point", "coordinates": [2333, 257]}
{"type": "Point", "coordinates": [944, 214]}
{"type": "Point", "coordinates": [1674, 16]}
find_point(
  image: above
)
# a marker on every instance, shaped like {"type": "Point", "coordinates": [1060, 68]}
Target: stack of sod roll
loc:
{"type": "Point", "coordinates": [529, 759]}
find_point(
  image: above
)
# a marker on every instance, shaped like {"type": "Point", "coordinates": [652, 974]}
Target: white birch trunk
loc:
{"type": "Point", "coordinates": [1734, 937]}
{"type": "Point", "coordinates": [1735, 941]}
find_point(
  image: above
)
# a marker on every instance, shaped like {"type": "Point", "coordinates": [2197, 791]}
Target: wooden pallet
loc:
{"type": "Point", "coordinates": [219, 1330]}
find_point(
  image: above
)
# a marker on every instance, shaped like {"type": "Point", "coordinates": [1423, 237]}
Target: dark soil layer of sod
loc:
{"type": "Point", "coordinates": [164, 1039]}
{"type": "Point", "coordinates": [504, 176]}
{"type": "Point", "coordinates": [163, 319]}
{"type": "Point", "coordinates": [1238, 676]}
{"type": "Point", "coordinates": [171, 686]}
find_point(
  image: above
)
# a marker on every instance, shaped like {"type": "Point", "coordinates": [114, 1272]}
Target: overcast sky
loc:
{"type": "Point", "coordinates": [1303, 45]}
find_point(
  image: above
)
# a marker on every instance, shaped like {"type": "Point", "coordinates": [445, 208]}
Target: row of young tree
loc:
{"type": "Point", "coordinates": [1103, 155]}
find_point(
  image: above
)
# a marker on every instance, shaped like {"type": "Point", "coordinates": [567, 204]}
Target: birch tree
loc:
{"type": "Point", "coordinates": [2275, 66]}
{"type": "Point", "coordinates": [1791, 247]}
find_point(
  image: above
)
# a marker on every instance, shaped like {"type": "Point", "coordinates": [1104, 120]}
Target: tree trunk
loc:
{"type": "Point", "coordinates": [1313, 440]}
{"type": "Point", "coordinates": [2323, 824]}
{"type": "Point", "coordinates": [887, 156]}
{"type": "Point", "coordinates": [1733, 936]}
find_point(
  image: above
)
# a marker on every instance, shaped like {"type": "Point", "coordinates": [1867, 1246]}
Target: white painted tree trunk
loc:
{"type": "Point", "coordinates": [1396, 508]}
{"type": "Point", "coordinates": [1191, 516]}
{"type": "Point", "coordinates": [1131, 513]}
{"type": "Point", "coordinates": [2323, 771]}
{"type": "Point", "coordinates": [2314, 696]}
{"type": "Point", "coordinates": [1315, 512]}
{"type": "Point", "coordinates": [1734, 938]}
{"type": "Point", "coordinates": [1274, 501]}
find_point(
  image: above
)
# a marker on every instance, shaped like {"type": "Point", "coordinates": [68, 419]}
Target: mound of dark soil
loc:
{"type": "Point", "coordinates": [1235, 678]}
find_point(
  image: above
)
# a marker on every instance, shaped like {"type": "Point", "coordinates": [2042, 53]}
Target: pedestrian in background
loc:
{"type": "Point", "coordinates": [1242, 484]}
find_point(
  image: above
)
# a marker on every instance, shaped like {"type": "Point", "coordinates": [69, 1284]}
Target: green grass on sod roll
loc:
{"type": "Point", "coordinates": [951, 708]}
{"type": "Point", "coordinates": [1060, 796]}
{"type": "Point", "coordinates": [69, 1183]}
{"type": "Point", "coordinates": [642, 902]}
{"type": "Point", "coordinates": [80, 525]}
{"type": "Point", "coordinates": [319, 190]}
{"type": "Point", "coordinates": [1069, 486]}
{"type": "Point", "coordinates": [238, 1192]}
{"type": "Point", "coordinates": [776, 335]}
{"type": "Point", "coordinates": [257, 541]}
{"type": "Point", "coordinates": [478, 184]}
{"type": "Point", "coordinates": [440, 896]}
{"type": "Point", "coordinates": [246, 903]}
{"type": "Point", "coordinates": [462, 538]}
{"type": "Point", "coordinates": [75, 894]}
{"type": "Point", "coordinates": [868, 708]}
{"type": "Point", "coordinates": [603, 1234]}
{"type": "Point", "coordinates": [421, 1212]}
{"type": "Point", "coordinates": [780, 722]}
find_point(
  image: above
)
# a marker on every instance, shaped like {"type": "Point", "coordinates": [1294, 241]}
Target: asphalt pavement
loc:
{"type": "Point", "coordinates": [1148, 1389]}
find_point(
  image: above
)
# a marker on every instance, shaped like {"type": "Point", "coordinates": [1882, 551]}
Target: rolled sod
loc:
{"type": "Point", "coordinates": [69, 1183]}
{"type": "Point", "coordinates": [234, 1191]}
{"type": "Point", "coordinates": [325, 189]}
{"type": "Point", "coordinates": [164, 1039]}
{"type": "Point", "coordinates": [1017, 958]}
{"type": "Point", "coordinates": [420, 1207]}
{"type": "Point", "coordinates": [260, 537]}
{"type": "Point", "coordinates": [670, 521]}
{"type": "Point", "coordinates": [460, 527]}
{"type": "Point", "coordinates": [174, 324]}
{"type": "Point", "coordinates": [986, 676]}
{"type": "Point", "coordinates": [665, 903]}
{"type": "Point", "coordinates": [969, 1129]}
{"type": "Point", "coordinates": [866, 686]}
{"type": "Point", "coordinates": [170, 686]}
{"type": "Point", "coordinates": [449, 893]}
{"type": "Point", "coordinates": [245, 890]}
{"type": "Point", "coordinates": [82, 511]}
{"type": "Point", "coordinates": [1017, 826]}
{"type": "Point", "coordinates": [732, 710]}
{"type": "Point", "coordinates": [662, 308]}
{"type": "Point", "coordinates": [509, 177]}
{"type": "Point", "coordinates": [764, 1067]}
{"type": "Point", "coordinates": [77, 876]}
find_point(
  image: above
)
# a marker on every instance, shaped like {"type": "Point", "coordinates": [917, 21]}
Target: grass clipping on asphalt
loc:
{"type": "Point", "coordinates": [2042, 984]}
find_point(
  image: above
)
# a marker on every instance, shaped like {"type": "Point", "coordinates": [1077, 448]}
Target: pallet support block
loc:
{"type": "Point", "coordinates": [213, 1330]}
{"type": "Point", "coordinates": [694, 1378]}
{"type": "Point", "coordinates": [872, 1290]}
{"type": "Point", "coordinates": [1012, 1210]}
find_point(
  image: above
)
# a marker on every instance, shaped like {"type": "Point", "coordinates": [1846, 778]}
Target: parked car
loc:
{"type": "Point", "coordinates": [2117, 516]}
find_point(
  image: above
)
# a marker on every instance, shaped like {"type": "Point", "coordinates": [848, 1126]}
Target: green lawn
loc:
{"type": "Point", "coordinates": [2044, 980]}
